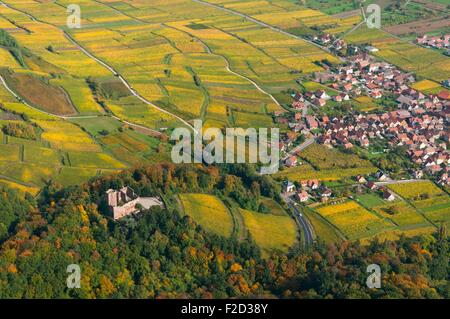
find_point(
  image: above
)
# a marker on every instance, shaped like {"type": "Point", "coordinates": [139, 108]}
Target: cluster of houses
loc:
{"type": "Point", "coordinates": [364, 76]}
{"type": "Point", "coordinates": [436, 42]}
{"type": "Point", "coordinates": [324, 39]}
{"type": "Point", "coordinates": [337, 45]}
{"type": "Point", "coordinates": [380, 176]}
{"type": "Point", "coordinates": [313, 190]}
{"type": "Point", "coordinates": [309, 190]}
{"type": "Point", "coordinates": [424, 133]}
{"type": "Point", "coordinates": [361, 76]}
{"type": "Point", "coordinates": [420, 123]}
{"type": "Point", "coordinates": [318, 98]}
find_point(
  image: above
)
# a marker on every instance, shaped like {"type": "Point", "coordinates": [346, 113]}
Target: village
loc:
{"type": "Point", "coordinates": [416, 122]}
{"type": "Point", "coordinates": [435, 42]}
{"type": "Point", "coordinates": [308, 191]}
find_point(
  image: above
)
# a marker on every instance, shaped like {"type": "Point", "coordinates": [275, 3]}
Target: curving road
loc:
{"type": "Point", "coordinates": [104, 64]}
{"type": "Point", "coordinates": [299, 148]}
{"type": "Point", "coordinates": [228, 65]}
{"type": "Point", "coordinates": [301, 220]}
{"type": "Point", "coordinates": [261, 23]}
{"type": "Point", "coordinates": [3, 82]}
{"type": "Point", "coordinates": [125, 82]}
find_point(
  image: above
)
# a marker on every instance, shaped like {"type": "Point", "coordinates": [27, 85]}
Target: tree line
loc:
{"type": "Point", "coordinates": [163, 254]}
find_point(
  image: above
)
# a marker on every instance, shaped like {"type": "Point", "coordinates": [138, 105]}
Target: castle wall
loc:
{"type": "Point", "coordinates": [125, 210]}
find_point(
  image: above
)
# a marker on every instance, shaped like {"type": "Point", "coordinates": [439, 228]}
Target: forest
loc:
{"type": "Point", "coordinates": [11, 44]}
{"type": "Point", "coordinates": [162, 254]}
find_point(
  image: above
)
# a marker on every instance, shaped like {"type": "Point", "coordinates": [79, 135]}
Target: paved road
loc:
{"type": "Point", "coordinates": [299, 148]}
{"type": "Point", "coordinates": [261, 23]}
{"type": "Point", "coordinates": [302, 221]}
{"type": "Point", "coordinates": [125, 82]}
{"type": "Point", "coordinates": [104, 64]}
{"type": "Point", "coordinates": [228, 65]}
{"type": "Point", "coordinates": [402, 181]}
{"type": "Point", "coordinates": [3, 82]}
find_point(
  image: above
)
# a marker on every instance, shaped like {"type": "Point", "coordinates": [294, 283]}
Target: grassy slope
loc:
{"type": "Point", "coordinates": [209, 212]}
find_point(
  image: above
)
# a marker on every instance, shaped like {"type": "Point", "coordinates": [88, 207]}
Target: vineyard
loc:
{"type": "Point", "coordinates": [209, 212]}
{"type": "Point", "coordinates": [420, 208]}
{"type": "Point", "coordinates": [274, 231]}
{"type": "Point", "coordinates": [186, 60]}
{"type": "Point", "coordinates": [353, 220]}
{"type": "Point", "coordinates": [407, 56]}
{"type": "Point", "coordinates": [323, 163]}
{"type": "Point", "coordinates": [426, 197]}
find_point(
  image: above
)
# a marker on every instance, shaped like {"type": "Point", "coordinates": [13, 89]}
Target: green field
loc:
{"type": "Point", "coordinates": [273, 206]}
{"type": "Point", "coordinates": [369, 200]}
{"type": "Point", "coordinates": [209, 212]}
{"type": "Point", "coordinates": [270, 232]}
{"type": "Point", "coordinates": [420, 208]}
{"type": "Point", "coordinates": [92, 160]}
{"type": "Point", "coordinates": [326, 164]}
{"type": "Point", "coordinates": [353, 220]}
{"type": "Point", "coordinates": [75, 175]}
{"type": "Point", "coordinates": [323, 229]}
{"type": "Point", "coordinates": [96, 125]}
{"type": "Point", "coordinates": [407, 56]}
{"type": "Point", "coordinates": [275, 231]}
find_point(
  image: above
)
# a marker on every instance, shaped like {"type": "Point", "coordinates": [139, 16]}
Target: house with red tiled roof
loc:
{"type": "Point", "coordinates": [444, 95]}
{"type": "Point", "coordinates": [303, 196]}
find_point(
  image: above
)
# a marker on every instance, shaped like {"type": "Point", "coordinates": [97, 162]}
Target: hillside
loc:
{"type": "Point", "coordinates": [96, 170]}
{"type": "Point", "coordinates": [133, 257]}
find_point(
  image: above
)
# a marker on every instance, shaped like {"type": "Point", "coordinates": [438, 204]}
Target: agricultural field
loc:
{"type": "Point", "coordinates": [97, 125]}
{"type": "Point", "coordinates": [270, 232]}
{"type": "Point", "coordinates": [40, 94]}
{"type": "Point", "coordinates": [323, 229]}
{"type": "Point", "coordinates": [225, 65]}
{"type": "Point", "coordinates": [292, 17]}
{"type": "Point", "coordinates": [427, 86]}
{"type": "Point", "coordinates": [209, 212]}
{"type": "Point", "coordinates": [93, 160]}
{"type": "Point", "coordinates": [213, 215]}
{"type": "Point", "coordinates": [273, 206]}
{"type": "Point", "coordinates": [417, 190]}
{"type": "Point", "coordinates": [423, 62]}
{"type": "Point", "coordinates": [42, 155]}
{"type": "Point", "coordinates": [353, 220]}
{"type": "Point", "coordinates": [22, 188]}
{"type": "Point", "coordinates": [368, 215]}
{"type": "Point", "coordinates": [306, 171]}
{"type": "Point", "coordinates": [8, 60]}
{"type": "Point", "coordinates": [71, 153]}
{"type": "Point", "coordinates": [369, 200]}
{"type": "Point", "coordinates": [402, 214]}
{"type": "Point", "coordinates": [80, 95]}
{"type": "Point", "coordinates": [9, 153]}
{"type": "Point", "coordinates": [322, 158]}
{"type": "Point", "coordinates": [428, 198]}
{"type": "Point", "coordinates": [397, 17]}
{"type": "Point", "coordinates": [395, 234]}
{"type": "Point", "coordinates": [75, 175]}
{"type": "Point", "coordinates": [333, 7]}
{"type": "Point", "coordinates": [66, 136]}
{"type": "Point", "coordinates": [366, 104]}
{"type": "Point", "coordinates": [323, 163]}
